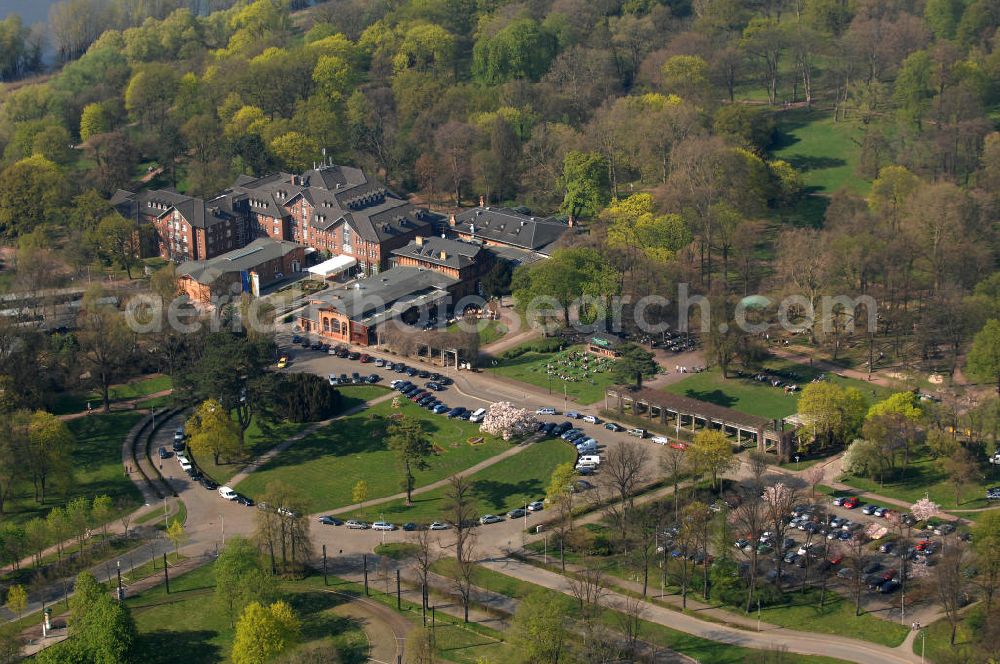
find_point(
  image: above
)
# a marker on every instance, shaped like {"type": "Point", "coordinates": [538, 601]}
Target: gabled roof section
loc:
{"type": "Point", "coordinates": [441, 251]}
{"type": "Point", "coordinates": [506, 226]}
{"type": "Point", "coordinates": [256, 253]}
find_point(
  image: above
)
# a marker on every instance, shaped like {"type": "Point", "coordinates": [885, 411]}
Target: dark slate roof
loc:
{"type": "Point", "coordinates": [338, 194]}
{"type": "Point", "coordinates": [441, 251]}
{"type": "Point", "coordinates": [158, 202]}
{"type": "Point", "coordinates": [509, 227]}
{"type": "Point", "coordinates": [396, 289]}
{"type": "Point", "coordinates": [256, 253]}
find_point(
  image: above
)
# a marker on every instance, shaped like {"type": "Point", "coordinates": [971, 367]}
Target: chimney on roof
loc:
{"type": "Point", "coordinates": [482, 201]}
{"type": "Point", "coordinates": [451, 220]}
{"type": "Point", "coordinates": [444, 255]}
{"type": "Point", "coordinates": [419, 240]}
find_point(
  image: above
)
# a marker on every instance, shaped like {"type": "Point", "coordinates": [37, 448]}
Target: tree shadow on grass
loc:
{"type": "Point", "coordinates": [718, 397]}
{"type": "Point", "coordinates": [495, 493]}
{"type": "Point", "coordinates": [806, 163]}
{"type": "Point", "coordinates": [318, 620]}
{"type": "Point", "coordinates": [190, 647]}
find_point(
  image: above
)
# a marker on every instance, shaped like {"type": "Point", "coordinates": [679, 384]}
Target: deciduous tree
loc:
{"type": "Point", "coordinates": [264, 632]}
{"type": "Point", "coordinates": [412, 446]}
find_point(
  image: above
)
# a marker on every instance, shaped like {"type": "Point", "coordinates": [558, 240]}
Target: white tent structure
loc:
{"type": "Point", "coordinates": [333, 267]}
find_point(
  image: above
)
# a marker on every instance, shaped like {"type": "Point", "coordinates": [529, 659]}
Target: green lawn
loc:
{"type": "Point", "coordinates": [326, 465]}
{"type": "Point", "coordinates": [925, 476]}
{"type": "Point", "coordinates": [935, 646]}
{"type": "Point", "coordinates": [262, 436]}
{"type": "Point", "coordinates": [695, 647]}
{"type": "Point", "coordinates": [802, 612]}
{"type": "Point", "coordinates": [97, 468]}
{"type": "Point", "coordinates": [76, 402]}
{"type": "Point", "coordinates": [186, 626]}
{"type": "Point", "coordinates": [824, 151]}
{"type": "Point", "coordinates": [583, 387]}
{"type": "Point", "coordinates": [507, 484]}
{"type": "Point", "coordinates": [489, 330]}
{"type": "Point", "coordinates": [749, 396]}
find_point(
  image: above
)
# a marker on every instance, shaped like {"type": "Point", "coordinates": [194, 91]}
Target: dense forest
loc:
{"type": "Point", "coordinates": [662, 125]}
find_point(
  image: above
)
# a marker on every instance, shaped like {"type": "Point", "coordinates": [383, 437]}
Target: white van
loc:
{"type": "Point", "coordinates": [660, 440]}
{"type": "Point", "coordinates": [227, 493]}
{"type": "Point", "coordinates": [185, 465]}
{"type": "Point", "coordinates": [593, 419]}
{"type": "Point", "coordinates": [586, 466]}
{"type": "Point", "coordinates": [478, 416]}
{"type": "Point", "coordinates": [590, 458]}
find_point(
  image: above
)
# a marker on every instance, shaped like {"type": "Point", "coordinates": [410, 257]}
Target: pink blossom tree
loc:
{"type": "Point", "coordinates": [505, 420]}
{"type": "Point", "coordinates": [814, 475]}
{"type": "Point", "coordinates": [925, 509]}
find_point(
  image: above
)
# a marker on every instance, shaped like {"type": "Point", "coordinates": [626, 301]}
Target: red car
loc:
{"type": "Point", "coordinates": [850, 503]}
{"type": "Point", "coordinates": [888, 574]}
{"type": "Point", "coordinates": [923, 544]}
{"type": "Point", "coordinates": [678, 445]}
{"type": "Point", "coordinates": [365, 358]}
{"type": "Point", "coordinates": [837, 559]}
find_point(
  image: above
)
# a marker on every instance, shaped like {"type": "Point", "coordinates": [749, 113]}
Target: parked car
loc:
{"type": "Point", "coordinates": [791, 557]}
{"type": "Point", "coordinates": [383, 525]}
{"type": "Point", "coordinates": [489, 518]}
{"type": "Point", "coordinates": [592, 419]}
{"type": "Point", "coordinates": [850, 503]}
{"type": "Point", "coordinates": [282, 362]}
{"type": "Point", "coordinates": [944, 529]}
{"type": "Point", "coordinates": [887, 547]}
{"type": "Point", "coordinates": [536, 506]}
{"type": "Point", "coordinates": [437, 525]}
{"type": "Point", "coordinates": [354, 355]}
{"type": "Point", "coordinates": [573, 415]}
{"type": "Point", "coordinates": [611, 426]}
{"type": "Point", "coordinates": [379, 362]}
{"type": "Point", "coordinates": [246, 501]}
{"type": "Point", "coordinates": [440, 408]}
{"type": "Point", "coordinates": [546, 411]}
{"type": "Point", "coordinates": [164, 454]}
{"type": "Point", "coordinates": [330, 521]}
{"type": "Point", "coordinates": [365, 358]}
{"type": "Point", "coordinates": [356, 525]}
{"type": "Point", "coordinates": [431, 385]}
{"type": "Point", "coordinates": [227, 493]}
{"type": "Point", "coordinates": [869, 509]}
{"type": "Point", "coordinates": [516, 513]}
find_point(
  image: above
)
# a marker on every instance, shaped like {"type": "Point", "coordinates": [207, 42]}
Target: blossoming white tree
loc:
{"type": "Point", "coordinates": [924, 509]}
{"type": "Point", "coordinates": [507, 421]}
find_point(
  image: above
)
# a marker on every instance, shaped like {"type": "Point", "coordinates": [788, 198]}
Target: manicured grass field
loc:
{"type": "Point", "coordinates": [97, 468]}
{"type": "Point", "coordinates": [749, 396]}
{"type": "Point", "coordinates": [531, 368]}
{"type": "Point", "coordinates": [262, 436]}
{"type": "Point", "coordinates": [925, 476]}
{"type": "Point", "coordinates": [802, 612]}
{"type": "Point", "coordinates": [326, 465]}
{"type": "Point", "coordinates": [935, 646]}
{"type": "Point", "coordinates": [507, 484]}
{"type": "Point", "coordinates": [76, 402]}
{"type": "Point", "coordinates": [695, 647]}
{"type": "Point", "coordinates": [489, 330]}
{"type": "Point", "coordinates": [824, 151]}
{"type": "Point", "coordinates": [186, 626]}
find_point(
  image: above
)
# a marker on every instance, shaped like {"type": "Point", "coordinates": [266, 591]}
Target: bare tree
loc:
{"type": "Point", "coordinates": [423, 558]}
{"type": "Point", "coordinates": [814, 476]}
{"type": "Point", "coordinates": [641, 526]}
{"type": "Point", "coordinates": [461, 512]}
{"type": "Point", "coordinates": [589, 589]}
{"type": "Point", "coordinates": [750, 518]}
{"type": "Point", "coordinates": [951, 584]}
{"type": "Point", "coordinates": [624, 471]}
{"type": "Point", "coordinates": [673, 462]}
{"type": "Point", "coordinates": [465, 572]}
{"type": "Point", "coordinates": [856, 560]}
{"type": "Point", "coordinates": [629, 615]}
{"type": "Point", "coordinates": [779, 499]}
{"type": "Point", "coordinates": [757, 465]}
